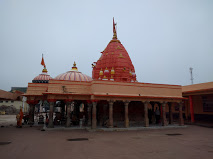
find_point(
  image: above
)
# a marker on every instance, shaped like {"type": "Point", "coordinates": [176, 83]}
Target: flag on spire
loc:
{"type": "Point", "coordinates": [42, 62]}
{"type": "Point", "coordinates": [114, 30]}
{"type": "Point", "coordinates": [113, 25]}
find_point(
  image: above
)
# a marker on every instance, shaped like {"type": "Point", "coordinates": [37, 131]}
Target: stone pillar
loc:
{"type": "Point", "coordinates": [146, 118]}
{"type": "Point", "coordinates": [153, 112]}
{"type": "Point", "coordinates": [181, 120]}
{"type": "Point", "coordinates": [191, 109]}
{"type": "Point", "coordinates": [31, 113]}
{"type": "Point", "coordinates": [89, 107]}
{"type": "Point", "coordinates": [111, 114]}
{"type": "Point", "coordinates": [68, 105]}
{"type": "Point", "coordinates": [164, 121]}
{"type": "Point", "coordinates": [105, 115]}
{"type": "Point", "coordinates": [51, 125]}
{"type": "Point", "coordinates": [126, 120]}
{"type": "Point", "coordinates": [170, 113]}
{"type": "Point", "coordinates": [94, 120]}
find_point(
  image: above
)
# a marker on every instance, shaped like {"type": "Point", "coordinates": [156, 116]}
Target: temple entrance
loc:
{"type": "Point", "coordinates": [136, 113]}
{"type": "Point", "coordinates": [78, 114]}
{"type": "Point", "coordinates": [118, 114]}
{"type": "Point", "coordinates": [102, 113]}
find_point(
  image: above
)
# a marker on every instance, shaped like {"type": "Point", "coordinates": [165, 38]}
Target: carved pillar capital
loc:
{"type": "Point", "coordinates": [51, 100]}
{"type": "Point", "coordinates": [180, 103]}
{"type": "Point", "coordinates": [32, 102]}
{"type": "Point", "coordinates": [111, 102]}
{"type": "Point", "coordinates": [94, 101]}
{"type": "Point", "coordinates": [145, 102]}
{"type": "Point", "coordinates": [126, 101]}
{"type": "Point", "coordinates": [68, 101]}
{"type": "Point", "coordinates": [163, 103]}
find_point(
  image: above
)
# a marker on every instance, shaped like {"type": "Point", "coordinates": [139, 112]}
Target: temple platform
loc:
{"type": "Point", "coordinates": [152, 127]}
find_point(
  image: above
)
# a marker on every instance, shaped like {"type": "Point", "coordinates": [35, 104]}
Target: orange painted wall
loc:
{"type": "Point", "coordinates": [198, 105]}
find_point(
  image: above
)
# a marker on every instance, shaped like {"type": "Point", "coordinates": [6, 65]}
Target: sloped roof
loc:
{"type": "Point", "coordinates": [9, 95]}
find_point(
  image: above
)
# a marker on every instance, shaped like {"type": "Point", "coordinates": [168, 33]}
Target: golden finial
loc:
{"type": "Point", "coordinates": [74, 65]}
{"type": "Point", "coordinates": [74, 68]}
{"type": "Point", "coordinates": [44, 70]}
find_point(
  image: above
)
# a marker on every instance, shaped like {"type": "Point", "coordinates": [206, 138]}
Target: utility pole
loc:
{"type": "Point", "coordinates": [190, 69]}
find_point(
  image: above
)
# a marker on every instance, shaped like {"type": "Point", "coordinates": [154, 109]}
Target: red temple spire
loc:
{"type": "Point", "coordinates": [114, 30]}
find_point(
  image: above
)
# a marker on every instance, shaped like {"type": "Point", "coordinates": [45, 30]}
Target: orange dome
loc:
{"type": "Point", "coordinates": [73, 75]}
{"type": "Point", "coordinates": [117, 60]}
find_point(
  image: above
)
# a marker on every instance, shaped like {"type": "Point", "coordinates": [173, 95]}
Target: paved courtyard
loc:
{"type": "Point", "coordinates": [30, 142]}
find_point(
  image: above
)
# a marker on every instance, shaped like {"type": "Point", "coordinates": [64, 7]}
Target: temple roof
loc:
{"type": "Point", "coordinates": [73, 75]}
{"type": "Point", "coordinates": [43, 77]}
{"type": "Point", "coordinates": [116, 59]}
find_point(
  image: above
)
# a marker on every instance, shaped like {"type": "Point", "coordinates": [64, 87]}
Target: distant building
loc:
{"type": "Point", "coordinates": [13, 99]}
{"type": "Point", "coordinates": [199, 107]}
{"type": "Point", "coordinates": [21, 89]}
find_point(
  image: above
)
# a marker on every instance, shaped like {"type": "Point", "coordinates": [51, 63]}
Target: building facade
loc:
{"type": "Point", "coordinates": [112, 97]}
{"type": "Point", "coordinates": [14, 100]}
{"type": "Point", "coordinates": [200, 104]}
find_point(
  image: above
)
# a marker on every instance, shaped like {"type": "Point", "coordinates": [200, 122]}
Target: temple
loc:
{"type": "Point", "coordinates": [114, 63]}
{"type": "Point", "coordinates": [111, 98]}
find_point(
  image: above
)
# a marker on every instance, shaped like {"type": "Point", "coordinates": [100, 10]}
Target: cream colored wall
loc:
{"type": "Point", "coordinates": [16, 104]}
{"type": "Point", "coordinates": [103, 90]}
{"type": "Point", "coordinates": [198, 105]}
{"type": "Point", "coordinates": [36, 88]}
{"type": "Point", "coordinates": [69, 87]}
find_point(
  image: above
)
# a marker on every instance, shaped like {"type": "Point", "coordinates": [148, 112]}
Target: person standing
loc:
{"type": "Point", "coordinates": [19, 118]}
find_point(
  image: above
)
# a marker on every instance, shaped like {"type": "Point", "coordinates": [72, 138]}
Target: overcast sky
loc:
{"type": "Point", "coordinates": [164, 38]}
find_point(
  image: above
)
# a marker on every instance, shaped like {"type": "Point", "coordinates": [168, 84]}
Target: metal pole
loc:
{"type": "Point", "coordinates": [191, 69]}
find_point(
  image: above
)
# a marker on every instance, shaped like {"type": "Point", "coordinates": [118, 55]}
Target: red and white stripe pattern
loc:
{"type": "Point", "coordinates": [42, 77]}
{"type": "Point", "coordinates": [73, 76]}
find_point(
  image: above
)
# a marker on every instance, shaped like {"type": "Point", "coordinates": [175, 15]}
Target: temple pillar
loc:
{"type": "Point", "coordinates": [89, 107]}
{"type": "Point", "coordinates": [31, 113]}
{"type": "Point", "coordinates": [68, 105]}
{"type": "Point", "coordinates": [111, 113]}
{"type": "Point", "coordinates": [94, 120]}
{"type": "Point", "coordinates": [146, 118]}
{"type": "Point", "coordinates": [164, 121]}
{"type": "Point", "coordinates": [181, 120]}
{"type": "Point", "coordinates": [51, 125]}
{"type": "Point", "coordinates": [191, 109]}
{"type": "Point", "coordinates": [105, 114]}
{"type": "Point", "coordinates": [170, 113]}
{"type": "Point", "coordinates": [126, 120]}
{"type": "Point", "coordinates": [153, 112]}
